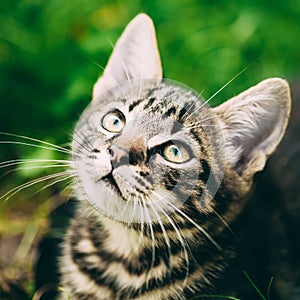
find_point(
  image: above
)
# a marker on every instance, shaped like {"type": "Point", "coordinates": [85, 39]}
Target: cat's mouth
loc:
{"type": "Point", "coordinates": [112, 184]}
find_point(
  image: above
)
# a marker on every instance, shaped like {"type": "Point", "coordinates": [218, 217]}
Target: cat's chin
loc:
{"type": "Point", "coordinates": [111, 183]}
{"type": "Point", "coordinates": [106, 196]}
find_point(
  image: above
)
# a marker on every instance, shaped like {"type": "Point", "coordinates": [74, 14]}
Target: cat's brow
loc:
{"type": "Point", "coordinates": [150, 102]}
{"type": "Point", "coordinates": [134, 104]}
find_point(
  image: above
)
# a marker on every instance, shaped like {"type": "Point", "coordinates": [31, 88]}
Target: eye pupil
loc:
{"type": "Point", "coordinates": [175, 154]}
{"type": "Point", "coordinates": [175, 150]}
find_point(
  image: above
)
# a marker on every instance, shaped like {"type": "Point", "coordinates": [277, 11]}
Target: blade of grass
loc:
{"type": "Point", "coordinates": [254, 286]}
{"type": "Point", "coordinates": [269, 288]}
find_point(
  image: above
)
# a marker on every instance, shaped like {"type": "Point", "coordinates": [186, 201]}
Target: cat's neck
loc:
{"type": "Point", "coordinates": [119, 238]}
{"type": "Point", "coordinates": [123, 240]}
{"type": "Point", "coordinates": [134, 260]}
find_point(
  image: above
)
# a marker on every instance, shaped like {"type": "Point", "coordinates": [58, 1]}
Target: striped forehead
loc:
{"type": "Point", "coordinates": [168, 103]}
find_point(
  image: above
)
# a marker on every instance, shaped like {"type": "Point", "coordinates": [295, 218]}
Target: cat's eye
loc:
{"type": "Point", "coordinates": [175, 153]}
{"type": "Point", "coordinates": [113, 121]}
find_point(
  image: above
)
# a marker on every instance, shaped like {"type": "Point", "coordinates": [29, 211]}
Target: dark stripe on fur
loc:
{"type": "Point", "coordinates": [183, 112]}
{"type": "Point", "coordinates": [135, 103]}
{"type": "Point", "coordinates": [206, 171]}
{"type": "Point", "coordinates": [196, 136]}
{"type": "Point", "coordinates": [149, 103]}
{"type": "Point", "coordinates": [138, 266]}
{"type": "Point", "coordinates": [171, 178]}
{"type": "Point", "coordinates": [170, 111]}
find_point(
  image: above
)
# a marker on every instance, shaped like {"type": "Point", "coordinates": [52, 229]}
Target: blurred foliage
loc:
{"type": "Point", "coordinates": [50, 53]}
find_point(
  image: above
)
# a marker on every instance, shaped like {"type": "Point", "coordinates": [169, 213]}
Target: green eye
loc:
{"type": "Point", "coordinates": [175, 153]}
{"type": "Point", "coordinates": [113, 121]}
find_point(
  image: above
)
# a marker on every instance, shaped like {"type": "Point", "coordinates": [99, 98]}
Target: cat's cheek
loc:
{"type": "Point", "coordinates": [102, 166]}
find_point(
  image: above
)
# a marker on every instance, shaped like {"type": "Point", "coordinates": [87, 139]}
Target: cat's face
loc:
{"type": "Point", "coordinates": [143, 148]}
{"type": "Point", "coordinates": [147, 145]}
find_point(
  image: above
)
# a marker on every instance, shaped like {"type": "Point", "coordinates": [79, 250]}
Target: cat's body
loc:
{"type": "Point", "coordinates": [158, 260]}
{"type": "Point", "coordinates": [161, 179]}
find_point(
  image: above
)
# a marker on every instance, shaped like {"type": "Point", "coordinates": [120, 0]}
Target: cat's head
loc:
{"type": "Point", "coordinates": [147, 146]}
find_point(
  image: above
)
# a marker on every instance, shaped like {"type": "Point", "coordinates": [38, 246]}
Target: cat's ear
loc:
{"type": "Point", "coordinates": [253, 124]}
{"type": "Point", "coordinates": [135, 56]}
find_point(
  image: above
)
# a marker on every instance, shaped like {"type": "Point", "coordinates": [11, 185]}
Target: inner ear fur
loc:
{"type": "Point", "coordinates": [135, 56]}
{"type": "Point", "coordinates": [253, 124]}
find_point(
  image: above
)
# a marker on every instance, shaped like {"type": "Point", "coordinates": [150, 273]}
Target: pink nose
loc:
{"type": "Point", "coordinates": [130, 153]}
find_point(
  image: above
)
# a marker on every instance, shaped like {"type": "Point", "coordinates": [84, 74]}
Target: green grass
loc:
{"type": "Point", "coordinates": [267, 297]}
{"type": "Point", "coordinates": [259, 292]}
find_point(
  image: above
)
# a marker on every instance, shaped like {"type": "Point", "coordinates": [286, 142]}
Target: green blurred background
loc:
{"type": "Point", "coordinates": [50, 52]}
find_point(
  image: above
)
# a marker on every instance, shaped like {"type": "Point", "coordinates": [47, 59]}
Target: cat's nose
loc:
{"type": "Point", "coordinates": [132, 154]}
{"type": "Point", "coordinates": [119, 156]}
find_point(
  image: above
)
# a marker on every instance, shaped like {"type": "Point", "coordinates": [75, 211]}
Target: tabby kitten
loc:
{"type": "Point", "coordinates": [160, 178]}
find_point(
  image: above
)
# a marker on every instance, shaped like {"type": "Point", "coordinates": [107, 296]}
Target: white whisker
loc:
{"type": "Point", "coordinates": [42, 167]}
{"type": "Point", "coordinates": [64, 178]}
{"type": "Point", "coordinates": [135, 204]}
{"type": "Point", "coordinates": [224, 222]}
{"type": "Point", "coordinates": [35, 146]}
{"type": "Point", "coordinates": [180, 238]}
{"type": "Point", "coordinates": [207, 235]}
{"type": "Point", "coordinates": [35, 140]}
{"type": "Point", "coordinates": [85, 144]}
{"type": "Point", "coordinates": [153, 240]}
{"type": "Point", "coordinates": [123, 213]}
{"type": "Point", "coordinates": [192, 105]}
{"type": "Point", "coordinates": [142, 220]}
{"type": "Point", "coordinates": [17, 189]}
{"type": "Point", "coordinates": [201, 121]}
{"type": "Point", "coordinates": [97, 64]}
{"type": "Point", "coordinates": [15, 162]}
{"type": "Point", "coordinates": [167, 239]}
{"type": "Point", "coordinates": [218, 91]}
